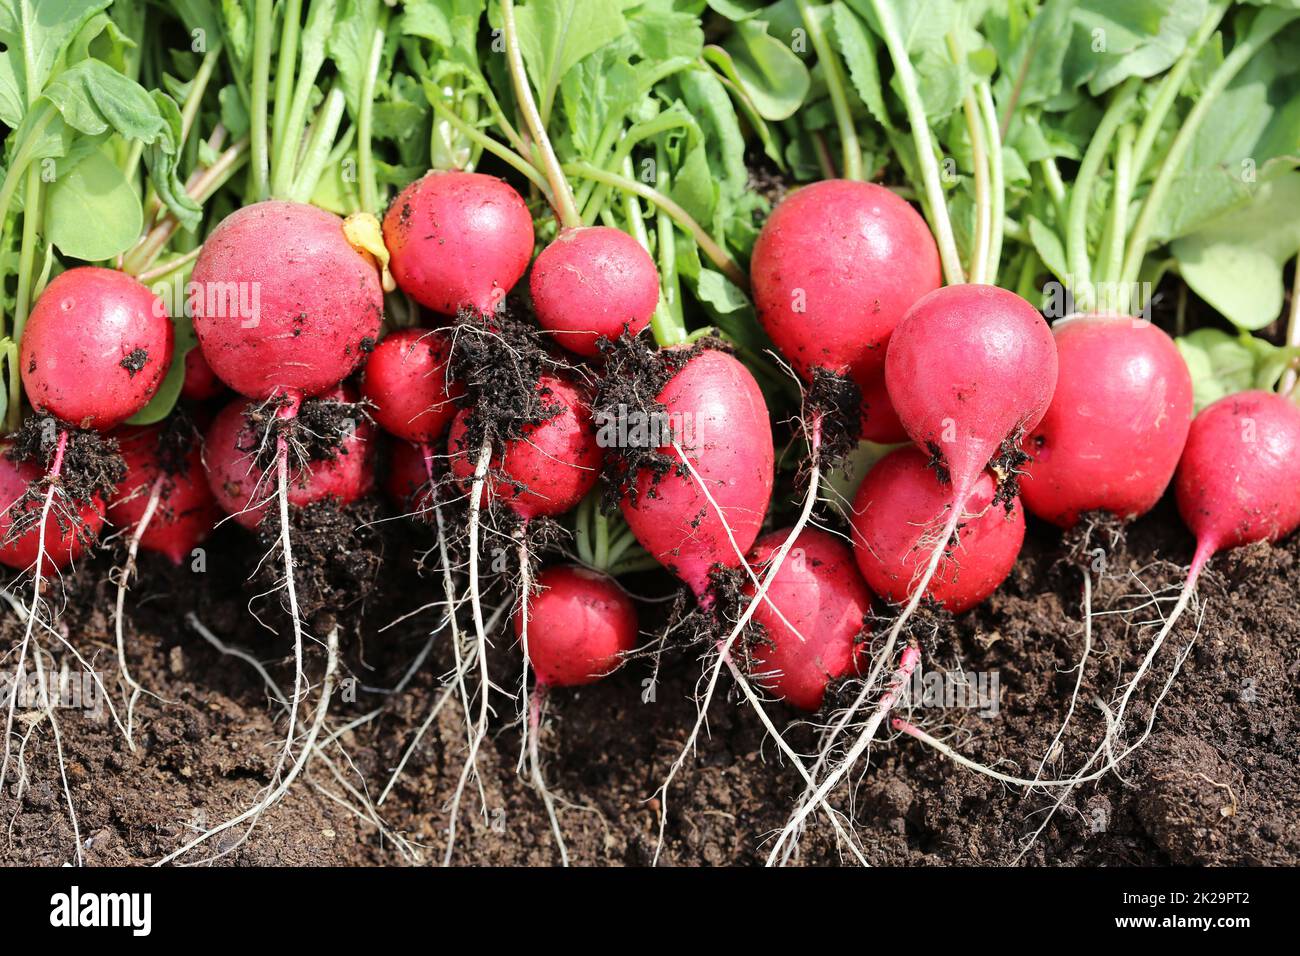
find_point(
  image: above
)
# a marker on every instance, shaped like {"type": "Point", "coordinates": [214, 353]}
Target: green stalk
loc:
{"type": "Point", "coordinates": [365, 116]}
{"type": "Point", "coordinates": [636, 133]}
{"type": "Point", "coordinates": [834, 76]}
{"type": "Point", "coordinates": [1273, 21]}
{"type": "Point", "coordinates": [601, 551]}
{"type": "Point", "coordinates": [1055, 188]}
{"type": "Point", "coordinates": [261, 157]}
{"type": "Point", "coordinates": [284, 73]}
{"type": "Point", "coordinates": [924, 144]}
{"type": "Point", "coordinates": [319, 144]}
{"type": "Point", "coordinates": [1076, 236]}
{"type": "Point", "coordinates": [582, 530]}
{"type": "Point", "coordinates": [997, 186]}
{"type": "Point", "coordinates": [27, 254]}
{"type": "Point", "coordinates": [499, 150]}
{"type": "Point", "coordinates": [977, 267]}
{"type": "Point", "coordinates": [680, 216]}
{"type": "Point", "coordinates": [566, 209]}
{"type": "Point", "coordinates": [1112, 259]}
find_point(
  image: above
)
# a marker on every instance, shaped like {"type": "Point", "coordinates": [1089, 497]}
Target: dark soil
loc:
{"type": "Point", "coordinates": [1217, 782]}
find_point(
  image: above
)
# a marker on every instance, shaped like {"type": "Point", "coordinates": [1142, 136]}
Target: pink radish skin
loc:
{"type": "Point", "coordinates": [458, 241]}
{"type": "Point", "coordinates": [406, 480]}
{"type": "Point", "coordinates": [63, 545]}
{"type": "Point", "coordinates": [819, 592]}
{"type": "Point", "coordinates": [314, 302]}
{"type": "Point", "coordinates": [835, 269]}
{"type": "Point", "coordinates": [1236, 483]}
{"type": "Point", "coordinates": [201, 383]}
{"type": "Point", "coordinates": [186, 511]}
{"type": "Point", "coordinates": [408, 381]}
{"type": "Point", "coordinates": [96, 347]}
{"type": "Point", "coordinates": [897, 508]}
{"type": "Point", "coordinates": [590, 282]}
{"type": "Point", "coordinates": [547, 471]}
{"type": "Point", "coordinates": [880, 422]}
{"type": "Point", "coordinates": [969, 367]}
{"type": "Point", "coordinates": [1115, 429]}
{"type": "Point", "coordinates": [579, 627]}
{"type": "Point", "coordinates": [244, 491]}
{"type": "Point", "coordinates": [732, 452]}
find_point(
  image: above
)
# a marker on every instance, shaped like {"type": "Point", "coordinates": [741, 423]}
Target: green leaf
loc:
{"type": "Point", "coordinates": [162, 159]}
{"type": "Point", "coordinates": [349, 46]}
{"type": "Point", "coordinates": [1117, 39]}
{"type": "Point", "coordinates": [859, 52]}
{"type": "Point", "coordinates": [92, 212]}
{"type": "Point", "coordinates": [555, 34]}
{"type": "Point", "coordinates": [771, 74]}
{"type": "Point", "coordinates": [1049, 247]}
{"type": "Point", "coordinates": [1235, 262]}
{"type": "Point", "coordinates": [1222, 364]}
{"type": "Point", "coordinates": [36, 33]}
{"type": "Point", "coordinates": [93, 98]}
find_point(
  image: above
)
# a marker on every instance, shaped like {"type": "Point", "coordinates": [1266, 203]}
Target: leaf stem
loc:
{"type": "Point", "coordinates": [833, 74]}
{"type": "Point", "coordinates": [365, 117]}
{"type": "Point", "coordinates": [566, 209]}
{"type": "Point", "coordinates": [284, 73]}
{"type": "Point", "coordinates": [319, 144]}
{"type": "Point", "coordinates": [499, 150]}
{"type": "Point", "coordinates": [1112, 257]}
{"type": "Point", "coordinates": [261, 158]}
{"type": "Point", "coordinates": [997, 184]}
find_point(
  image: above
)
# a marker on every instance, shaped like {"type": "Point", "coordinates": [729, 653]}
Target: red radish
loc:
{"type": "Point", "coordinates": [243, 489]}
{"type": "Point", "coordinates": [579, 627]}
{"type": "Point", "coordinates": [408, 381]}
{"type": "Point", "coordinates": [406, 480]}
{"type": "Point", "coordinates": [201, 383]}
{"type": "Point", "coordinates": [897, 508]}
{"type": "Point", "coordinates": [283, 302]}
{"type": "Point", "coordinates": [730, 448]}
{"type": "Point", "coordinates": [185, 512]}
{"type": "Point", "coordinates": [813, 617]}
{"type": "Point", "coordinates": [835, 269]}
{"type": "Point", "coordinates": [969, 368]}
{"type": "Point", "coordinates": [1111, 438]}
{"type": "Point", "coordinates": [1236, 483]}
{"type": "Point", "coordinates": [95, 348]}
{"type": "Point", "coordinates": [880, 422]}
{"type": "Point", "coordinates": [65, 539]}
{"type": "Point", "coordinates": [550, 468]}
{"type": "Point", "coordinates": [458, 241]}
{"type": "Point", "coordinates": [590, 282]}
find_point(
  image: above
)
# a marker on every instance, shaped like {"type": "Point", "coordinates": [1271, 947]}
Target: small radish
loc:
{"type": "Point", "coordinates": [201, 383]}
{"type": "Point", "coordinates": [880, 422]}
{"type": "Point", "coordinates": [66, 534]}
{"type": "Point", "coordinates": [547, 470]}
{"type": "Point", "coordinates": [95, 348]}
{"type": "Point", "coordinates": [835, 268]}
{"type": "Point", "coordinates": [408, 381]}
{"type": "Point", "coordinates": [1111, 438]}
{"type": "Point", "coordinates": [729, 446]}
{"type": "Point", "coordinates": [593, 282]}
{"type": "Point", "coordinates": [406, 480]}
{"type": "Point", "coordinates": [580, 626]}
{"type": "Point", "coordinates": [813, 617]}
{"type": "Point", "coordinates": [899, 504]}
{"type": "Point", "coordinates": [176, 497]}
{"type": "Point", "coordinates": [244, 489]}
{"type": "Point", "coordinates": [458, 241]}
{"type": "Point", "coordinates": [283, 303]}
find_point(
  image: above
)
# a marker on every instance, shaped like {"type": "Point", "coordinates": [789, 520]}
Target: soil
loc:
{"type": "Point", "coordinates": [1217, 782]}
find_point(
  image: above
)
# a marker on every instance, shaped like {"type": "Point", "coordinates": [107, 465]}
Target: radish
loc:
{"type": "Point", "coordinates": [880, 422]}
{"type": "Point", "coordinates": [835, 268]}
{"type": "Point", "coordinates": [900, 498]}
{"type": "Point", "coordinates": [406, 480]}
{"type": "Point", "coordinates": [593, 282]}
{"type": "Point", "coordinates": [96, 348]}
{"type": "Point", "coordinates": [549, 468]}
{"type": "Point", "coordinates": [1115, 429]}
{"type": "Point", "coordinates": [668, 510]}
{"type": "Point", "coordinates": [174, 494]}
{"type": "Point", "coordinates": [458, 241]}
{"type": "Point", "coordinates": [243, 488]}
{"type": "Point", "coordinates": [407, 380]}
{"type": "Point", "coordinates": [813, 617]}
{"type": "Point", "coordinates": [283, 303]}
{"type": "Point", "coordinates": [201, 383]}
{"type": "Point", "coordinates": [66, 535]}
{"type": "Point", "coordinates": [581, 626]}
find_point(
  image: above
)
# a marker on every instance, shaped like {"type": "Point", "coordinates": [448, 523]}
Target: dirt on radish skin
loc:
{"type": "Point", "coordinates": [1115, 429]}
{"type": "Point", "coordinates": [900, 507]}
{"type": "Point", "coordinates": [458, 241]}
{"type": "Point", "coordinates": [593, 282]}
{"type": "Point", "coordinates": [283, 302]}
{"type": "Point", "coordinates": [244, 488]}
{"type": "Point", "coordinates": [201, 383]}
{"type": "Point", "coordinates": [580, 625]}
{"type": "Point", "coordinates": [95, 348]}
{"type": "Point", "coordinates": [408, 381]}
{"type": "Point", "coordinates": [186, 511]}
{"type": "Point", "coordinates": [69, 531]}
{"type": "Point", "coordinates": [719, 419]}
{"type": "Point", "coordinates": [813, 620]}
